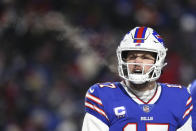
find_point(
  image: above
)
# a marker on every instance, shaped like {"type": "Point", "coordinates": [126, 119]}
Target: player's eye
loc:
{"type": "Point", "coordinates": [131, 57]}
{"type": "Point", "coordinates": [148, 57]}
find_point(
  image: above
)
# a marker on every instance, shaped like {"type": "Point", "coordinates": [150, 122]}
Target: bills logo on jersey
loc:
{"type": "Point", "coordinates": [158, 37]}
{"type": "Point", "coordinates": [120, 111]}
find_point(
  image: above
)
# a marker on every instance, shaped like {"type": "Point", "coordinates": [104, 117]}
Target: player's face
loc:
{"type": "Point", "coordinates": [140, 57]}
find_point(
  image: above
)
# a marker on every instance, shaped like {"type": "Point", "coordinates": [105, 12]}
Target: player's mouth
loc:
{"type": "Point", "coordinates": [137, 71]}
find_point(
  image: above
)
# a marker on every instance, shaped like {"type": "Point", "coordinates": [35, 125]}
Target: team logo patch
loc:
{"type": "Point", "coordinates": [120, 112]}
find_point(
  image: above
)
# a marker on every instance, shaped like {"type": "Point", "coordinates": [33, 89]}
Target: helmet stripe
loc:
{"type": "Point", "coordinates": [144, 32]}
{"type": "Point", "coordinates": [158, 37]}
{"type": "Point", "coordinates": [140, 35]}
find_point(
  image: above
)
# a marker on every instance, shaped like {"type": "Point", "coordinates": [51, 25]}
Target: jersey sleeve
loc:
{"type": "Point", "coordinates": [187, 108]}
{"type": "Point", "coordinates": [187, 126]}
{"type": "Point", "coordinates": [94, 104]}
{"type": "Point", "coordinates": [92, 123]}
{"type": "Point", "coordinates": [192, 89]}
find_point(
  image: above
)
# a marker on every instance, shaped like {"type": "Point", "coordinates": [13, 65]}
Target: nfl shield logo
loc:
{"type": "Point", "coordinates": [146, 108]}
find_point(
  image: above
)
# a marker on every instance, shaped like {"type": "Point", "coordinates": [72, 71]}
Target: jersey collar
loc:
{"type": "Point", "coordinates": [154, 98]}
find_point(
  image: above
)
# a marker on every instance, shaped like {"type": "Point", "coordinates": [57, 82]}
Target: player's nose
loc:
{"type": "Point", "coordinates": [138, 60]}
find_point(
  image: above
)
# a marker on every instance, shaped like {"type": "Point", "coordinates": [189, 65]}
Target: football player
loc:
{"type": "Point", "coordinates": [139, 102]}
{"type": "Point", "coordinates": [192, 89]}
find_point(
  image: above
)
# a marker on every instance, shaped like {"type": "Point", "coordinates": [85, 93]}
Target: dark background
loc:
{"type": "Point", "coordinates": [52, 51]}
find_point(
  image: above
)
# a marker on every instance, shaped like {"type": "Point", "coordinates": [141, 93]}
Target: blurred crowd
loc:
{"type": "Point", "coordinates": [52, 51]}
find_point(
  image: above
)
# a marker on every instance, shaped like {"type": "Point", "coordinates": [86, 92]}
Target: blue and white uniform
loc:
{"type": "Point", "coordinates": [112, 107]}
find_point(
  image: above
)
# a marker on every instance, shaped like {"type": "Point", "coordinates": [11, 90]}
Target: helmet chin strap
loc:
{"type": "Point", "coordinates": [147, 85]}
{"type": "Point", "coordinates": [137, 79]}
{"type": "Point", "coordinates": [138, 82]}
{"type": "Point", "coordinates": [130, 83]}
